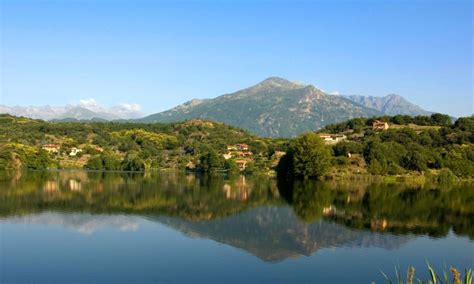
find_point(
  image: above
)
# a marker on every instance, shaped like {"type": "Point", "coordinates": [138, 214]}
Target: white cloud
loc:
{"type": "Point", "coordinates": [131, 107]}
{"type": "Point", "coordinates": [122, 110]}
{"type": "Point", "coordinates": [335, 93]}
{"type": "Point", "coordinates": [88, 102]}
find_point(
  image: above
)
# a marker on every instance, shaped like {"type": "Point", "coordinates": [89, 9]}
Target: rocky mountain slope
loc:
{"type": "Point", "coordinates": [274, 107]}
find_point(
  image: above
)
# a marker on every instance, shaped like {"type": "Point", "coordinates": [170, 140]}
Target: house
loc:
{"type": "Point", "coordinates": [242, 147]}
{"type": "Point", "coordinates": [75, 151]}
{"type": "Point", "coordinates": [330, 139]}
{"type": "Point", "coordinates": [238, 147]}
{"type": "Point", "coordinates": [51, 148]}
{"type": "Point", "coordinates": [237, 150]}
{"type": "Point", "coordinates": [242, 164]}
{"type": "Point", "coordinates": [244, 154]}
{"type": "Point", "coordinates": [227, 156]}
{"type": "Point", "coordinates": [232, 147]}
{"type": "Point", "coordinates": [379, 125]}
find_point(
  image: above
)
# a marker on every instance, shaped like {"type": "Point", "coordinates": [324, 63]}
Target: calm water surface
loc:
{"type": "Point", "coordinates": [181, 228]}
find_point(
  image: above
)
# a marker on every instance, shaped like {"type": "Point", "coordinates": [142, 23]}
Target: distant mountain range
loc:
{"type": "Point", "coordinates": [72, 112]}
{"type": "Point", "coordinates": [277, 107]}
{"type": "Point", "coordinates": [274, 107]}
{"type": "Point", "coordinates": [390, 105]}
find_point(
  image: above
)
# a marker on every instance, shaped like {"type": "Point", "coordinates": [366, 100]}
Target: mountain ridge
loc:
{"type": "Point", "coordinates": [277, 107]}
{"type": "Point", "coordinates": [274, 107]}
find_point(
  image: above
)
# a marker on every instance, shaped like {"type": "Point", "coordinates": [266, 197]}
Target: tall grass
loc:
{"type": "Point", "coordinates": [451, 277]}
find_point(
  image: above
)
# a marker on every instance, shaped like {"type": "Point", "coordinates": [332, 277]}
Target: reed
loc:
{"type": "Point", "coordinates": [453, 277]}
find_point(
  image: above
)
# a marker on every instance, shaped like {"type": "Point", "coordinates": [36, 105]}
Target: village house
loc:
{"type": "Point", "coordinates": [51, 148]}
{"type": "Point", "coordinates": [379, 125]}
{"type": "Point", "coordinates": [227, 155]}
{"type": "Point", "coordinates": [242, 164]}
{"type": "Point", "coordinates": [238, 147]}
{"type": "Point", "coordinates": [74, 151]}
{"type": "Point", "coordinates": [237, 150]}
{"type": "Point", "coordinates": [330, 139]}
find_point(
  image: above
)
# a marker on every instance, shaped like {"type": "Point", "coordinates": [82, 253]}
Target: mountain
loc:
{"type": "Point", "coordinates": [389, 105]}
{"type": "Point", "coordinates": [86, 111]}
{"type": "Point", "coordinates": [274, 107]}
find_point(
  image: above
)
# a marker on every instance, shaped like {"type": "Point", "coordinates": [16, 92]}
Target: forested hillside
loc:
{"type": "Point", "coordinates": [422, 145]}
{"type": "Point", "coordinates": [24, 143]}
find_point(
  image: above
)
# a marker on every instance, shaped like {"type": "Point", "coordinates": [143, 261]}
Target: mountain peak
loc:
{"type": "Point", "coordinates": [273, 84]}
{"type": "Point", "coordinates": [276, 80]}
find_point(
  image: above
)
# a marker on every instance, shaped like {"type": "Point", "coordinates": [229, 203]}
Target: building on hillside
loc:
{"type": "Point", "coordinates": [379, 125]}
{"type": "Point", "coordinates": [51, 148]}
{"type": "Point", "coordinates": [243, 147]}
{"type": "Point", "coordinates": [74, 151]}
{"type": "Point", "coordinates": [242, 164]}
{"type": "Point", "coordinates": [330, 139]}
{"type": "Point", "coordinates": [238, 147]}
{"type": "Point", "coordinates": [244, 154]}
{"type": "Point", "coordinates": [237, 150]}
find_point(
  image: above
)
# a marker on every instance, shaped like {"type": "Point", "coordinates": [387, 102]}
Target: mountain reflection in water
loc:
{"type": "Point", "coordinates": [273, 221]}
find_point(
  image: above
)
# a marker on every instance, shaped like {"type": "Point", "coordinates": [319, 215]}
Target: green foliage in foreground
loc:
{"type": "Point", "coordinates": [455, 278]}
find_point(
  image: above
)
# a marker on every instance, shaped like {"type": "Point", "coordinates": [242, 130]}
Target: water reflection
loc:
{"type": "Point", "coordinates": [82, 223]}
{"type": "Point", "coordinates": [272, 220]}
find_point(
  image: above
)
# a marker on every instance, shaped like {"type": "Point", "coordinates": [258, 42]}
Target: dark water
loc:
{"type": "Point", "coordinates": [174, 227]}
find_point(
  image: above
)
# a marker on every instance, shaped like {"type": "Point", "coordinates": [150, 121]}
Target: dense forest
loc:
{"type": "Point", "coordinates": [422, 145]}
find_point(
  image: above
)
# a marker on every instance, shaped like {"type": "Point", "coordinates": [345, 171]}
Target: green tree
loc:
{"type": "Point", "coordinates": [231, 166]}
{"type": "Point", "coordinates": [307, 157]}
{"type": "Point", "coordinates": [441, 119]}
{"type": "Point", "coordinates": [110, 162]}
{"type": "Point", "coordinates": [133, 163]}
{"type": "Point", "coordinates": [211, 161]}
{"type": "Point", "coordinates": [38, 161]}
{"type": "Point", "coordinates": [95, 163]}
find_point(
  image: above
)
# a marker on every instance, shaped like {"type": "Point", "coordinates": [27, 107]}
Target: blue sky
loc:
{"type": "Point", "coordinates": [161, 53]}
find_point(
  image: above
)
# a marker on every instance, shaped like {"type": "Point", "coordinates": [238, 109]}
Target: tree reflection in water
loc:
{"type": "Point", "coordinates": [272, 219]}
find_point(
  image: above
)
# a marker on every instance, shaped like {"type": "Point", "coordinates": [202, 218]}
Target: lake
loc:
{"type": "Point", "coordinates": [92, 227]}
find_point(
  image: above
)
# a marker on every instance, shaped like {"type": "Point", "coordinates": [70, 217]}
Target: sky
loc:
{"type": "Point", "coordinates": [155, 55]}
